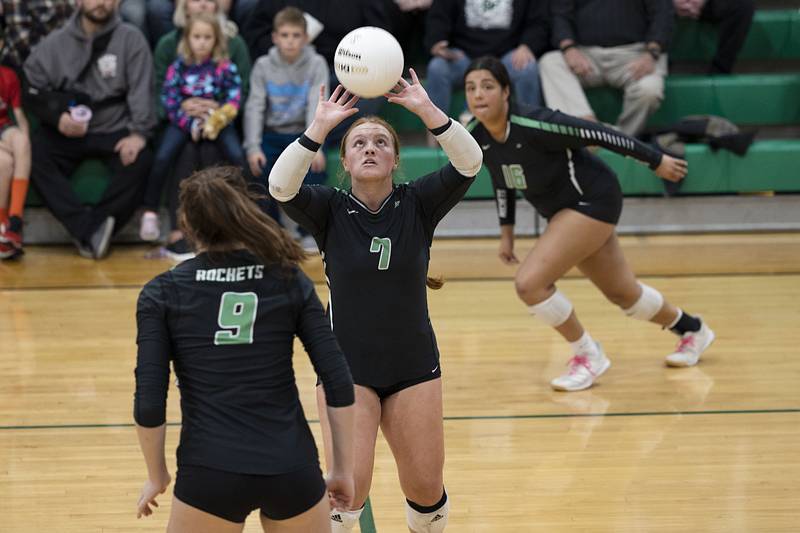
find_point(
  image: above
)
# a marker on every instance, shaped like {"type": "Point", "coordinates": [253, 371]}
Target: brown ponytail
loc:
{"type": "Point", "coordinates": [217, 211]}
{"type": "Point", "coordinates": [434, 283]}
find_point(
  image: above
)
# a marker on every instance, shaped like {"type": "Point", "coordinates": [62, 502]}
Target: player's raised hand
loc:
{"type": "Point", "coordinates": [331, 111]}
{"type": "Point", "coordinates": [413, 96]}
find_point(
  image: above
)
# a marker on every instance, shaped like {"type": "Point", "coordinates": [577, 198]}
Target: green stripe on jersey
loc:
{"type": "Point", "coordinates": [544, 126]}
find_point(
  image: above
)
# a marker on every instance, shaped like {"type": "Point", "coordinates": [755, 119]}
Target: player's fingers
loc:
{"type": "Point", "coordinates": [335, 95]}
{"type": "Point", "coordinates": [352, 101]}
{"type": "Point", "coordinates": [414, 78]}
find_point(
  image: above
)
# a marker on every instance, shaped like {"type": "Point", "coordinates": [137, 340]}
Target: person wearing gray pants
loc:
{"type": "Point", "coordinates": [608, 43]}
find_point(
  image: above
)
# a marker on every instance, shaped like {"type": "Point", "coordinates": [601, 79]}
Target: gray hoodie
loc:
{"type": "Point", "coordinates": [283, 96]}
{"type": "Point", "coordinates": [124, 71]}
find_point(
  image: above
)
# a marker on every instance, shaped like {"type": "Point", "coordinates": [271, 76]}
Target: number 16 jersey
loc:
{"type": "Point", "coordinates": [376, 265]}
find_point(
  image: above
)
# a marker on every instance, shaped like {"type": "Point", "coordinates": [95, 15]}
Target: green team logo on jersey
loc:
{"type": "Point", "coordinates": [514, 176]}
{"type": "Point", "coordinates": [237, 315]}
{"type": "Point", "coordinates": [384, 247]}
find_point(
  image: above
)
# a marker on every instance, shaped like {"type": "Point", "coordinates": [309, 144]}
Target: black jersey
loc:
{"type": "Point", "coordinates": [228, 326]}
{"type": "Point", "coordinates": [544, 157]}
{"type": "Point", "coordinates": [376, 264]}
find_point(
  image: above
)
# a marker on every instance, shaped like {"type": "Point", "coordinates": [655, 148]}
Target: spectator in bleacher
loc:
{"type": "Point", "coordinates": [167, 48]}
{"type": "Point", "coordinates": [25, 23]}
{"type": "Point", "coordinates": [460, 30]}
{"type": "Point", "coordinates": [408, 19]}
{"type": "Point", "coordinates": [160, 13]}
{"type": "Point", "coordinates": [338, 19]}
{"type": "Point", "coordinates": [733, 18]}
{"type": "Point", "coordinates": [194, 156]}
{"type": "Point", "coordinates": [204, 71]}
{"type": "Point", "coordinates": [620, 43]}
{"type": "Point", "coordinates": [284, 91]}
{"type": "Point", "coordinates": [91, 89]}
{"type": "Point", "coordinates": [15, 164]}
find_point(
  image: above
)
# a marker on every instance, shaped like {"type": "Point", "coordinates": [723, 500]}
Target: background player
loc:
{"type": "Point", "coordinates": [375, 241]}
{"type": "Point", "coordinates": [542, 155]}
{"type": "Point", "coordinates": [227, 320]}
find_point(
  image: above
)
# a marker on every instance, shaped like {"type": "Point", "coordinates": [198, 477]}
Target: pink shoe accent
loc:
{"type": "Point", "coordinates": [687, 342]}
{"type": "Point", "coordinates": [578, 361]}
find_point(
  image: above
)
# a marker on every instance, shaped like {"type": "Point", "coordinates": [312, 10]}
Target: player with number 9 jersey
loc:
{"type": "Point", "coordinates": [227, 320]}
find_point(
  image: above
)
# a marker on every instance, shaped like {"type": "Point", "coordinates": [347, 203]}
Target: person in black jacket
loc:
{"type": "Point", "coordinates": [227, 320]}
{"type": "Point", "coordinates": [461, 30]}
{"type": "Point", "coordinates": [733, 18]}
{"type": "Point", "coordinates": [375, 242]}
{"type": "Point", "coordinates": [543, 155]}
{"type": "Point", "coordinates": [620, 43]}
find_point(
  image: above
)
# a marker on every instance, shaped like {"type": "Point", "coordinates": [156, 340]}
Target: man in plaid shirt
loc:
{"type": "Point", "coordinates": [26, 22]}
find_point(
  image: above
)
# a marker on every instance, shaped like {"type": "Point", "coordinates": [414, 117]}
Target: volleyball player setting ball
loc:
{"type": "Point", "coordinates": [375, 242]}
{"type": "Point", "coordinates": [543, 155]}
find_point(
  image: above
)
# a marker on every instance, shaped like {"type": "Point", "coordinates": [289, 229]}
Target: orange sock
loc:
{"type": "Point", "coordinates": [19, 191]}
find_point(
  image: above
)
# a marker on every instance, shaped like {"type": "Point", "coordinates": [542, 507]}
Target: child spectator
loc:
{"type": "Point", "coordinates": [15, 164]}
{"type": "Point", "coordinates": [204, 71]}
{"type": "Point", "coordinates": [284, 91]}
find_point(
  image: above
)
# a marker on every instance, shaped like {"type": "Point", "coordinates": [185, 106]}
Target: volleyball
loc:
{"type": "Point", "coordinates": [368, 61]}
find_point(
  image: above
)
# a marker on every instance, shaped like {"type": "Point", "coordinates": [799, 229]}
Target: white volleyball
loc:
{"type": "Point", "coordinates": [368, 61]}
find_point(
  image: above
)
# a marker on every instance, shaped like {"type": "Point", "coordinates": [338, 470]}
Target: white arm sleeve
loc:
{"type": "Point", "coordinates": [289, 170]}
{"type": "Point", "coordinates": [462, 149]}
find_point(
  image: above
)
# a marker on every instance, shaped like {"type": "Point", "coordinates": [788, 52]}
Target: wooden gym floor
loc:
{"type": "Point", "coordinates": [710, 448]}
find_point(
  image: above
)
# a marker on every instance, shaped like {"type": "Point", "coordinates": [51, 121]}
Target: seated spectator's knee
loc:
{"type": "Point", "coordinates": [649, 89]}
{"type": "Point", "coordinates": [19, 141]}
{"type": "Point", "coordinates": [551, 61]}
{"type": "Point", "coordinates": [438, 68]}
{"type": "Point", "coordinates": [6, 162]}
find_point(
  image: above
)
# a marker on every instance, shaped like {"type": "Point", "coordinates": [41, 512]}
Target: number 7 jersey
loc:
{"type": "Point", "coordinates": [376, 265]}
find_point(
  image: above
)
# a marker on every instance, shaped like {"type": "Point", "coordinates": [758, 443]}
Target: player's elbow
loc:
{"type": "Point", "coordinates": [471, 164]}
{"type": "Point", "coordinates": [280, 194]}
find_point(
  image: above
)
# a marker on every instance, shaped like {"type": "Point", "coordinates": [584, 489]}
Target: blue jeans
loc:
{"type": "Point", "coordinates": [159, 19]}
{"type": "Point", "coordinates": [273, 144]}
{"type": "Point", "coordinates": [444, 75]}
{"type": "Point", "coordinates": [171, 144]}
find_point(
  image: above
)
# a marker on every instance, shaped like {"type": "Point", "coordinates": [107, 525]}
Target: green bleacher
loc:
{"type": "Point", "coordinates": [751, 100]}
{"type": "Point", "coordinates": [774, 35]}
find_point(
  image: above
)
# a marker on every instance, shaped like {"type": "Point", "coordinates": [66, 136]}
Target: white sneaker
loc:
{"type": "Point", "coordinates": [583, 370]}
{"type": "Point", "coordinates": [149, 227]}
{"type": "Point", "coordinates": [691, 346]}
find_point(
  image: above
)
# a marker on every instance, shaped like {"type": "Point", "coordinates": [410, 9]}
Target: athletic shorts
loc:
{"type": "Point", "coordinates": [385, 392]}
{"type": "Point", "coordinates": [603, 204]}
{"type": "Point", "coordinates": [233, 496]}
